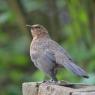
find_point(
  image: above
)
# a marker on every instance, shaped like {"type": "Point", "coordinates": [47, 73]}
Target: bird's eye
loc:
{"type": "Point", "coordinates": [38, 27]}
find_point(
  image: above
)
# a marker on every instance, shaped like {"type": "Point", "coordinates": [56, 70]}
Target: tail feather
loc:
{"type": "Point", "coordinates": [75, 69]}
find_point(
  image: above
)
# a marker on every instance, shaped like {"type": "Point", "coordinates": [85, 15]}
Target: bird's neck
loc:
{"type": "Point", "coordinates": [41, 36]}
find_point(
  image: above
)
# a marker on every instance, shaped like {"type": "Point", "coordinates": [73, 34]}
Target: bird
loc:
{"type": "Point", "coordinates": [47, 55]}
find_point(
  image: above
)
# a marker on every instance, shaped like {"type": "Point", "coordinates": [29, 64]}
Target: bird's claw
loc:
{"type": "Point", "coordinates": [50, 81]}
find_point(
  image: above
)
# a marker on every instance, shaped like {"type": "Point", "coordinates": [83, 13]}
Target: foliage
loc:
{"type": "Point", "coordinates": [68, 21]}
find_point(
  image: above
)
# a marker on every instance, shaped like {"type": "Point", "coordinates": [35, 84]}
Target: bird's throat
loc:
{"type": "Point", "coordinates": [41, 35]}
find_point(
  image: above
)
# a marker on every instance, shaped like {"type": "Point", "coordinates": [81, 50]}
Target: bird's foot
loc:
{"type": "Point", "coordinates": [51, 81]}
{"type": "Point", "coordinates": [55, 82]}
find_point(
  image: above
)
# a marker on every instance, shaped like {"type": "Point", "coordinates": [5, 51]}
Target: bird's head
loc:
{"type": "Point", "coordinates": [38, 30]}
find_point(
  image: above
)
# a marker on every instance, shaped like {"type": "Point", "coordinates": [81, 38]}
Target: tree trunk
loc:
{"type": "Point", "coordinates": [34, 88]}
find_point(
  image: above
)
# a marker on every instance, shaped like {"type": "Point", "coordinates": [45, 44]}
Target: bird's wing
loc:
{"type": "Point", "coordinates": [62, 58]}
{"type": "Point", "coordinates": [45, 62]}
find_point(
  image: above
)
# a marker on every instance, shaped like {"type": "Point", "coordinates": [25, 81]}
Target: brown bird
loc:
{"type": "Point", "coordinates": [48, 55]}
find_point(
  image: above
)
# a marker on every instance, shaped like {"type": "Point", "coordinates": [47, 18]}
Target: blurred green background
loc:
{"type": "Point", "coordinates": [70, 22]}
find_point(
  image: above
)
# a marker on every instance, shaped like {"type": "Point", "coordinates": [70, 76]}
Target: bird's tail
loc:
{"type": "Point", "coordinates": [76, 69]}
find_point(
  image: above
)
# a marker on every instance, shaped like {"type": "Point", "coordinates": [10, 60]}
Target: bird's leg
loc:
{"type": "Point", "coordinates": [53, 79]}
{"type": "Point", "coordinates": [53, 76]}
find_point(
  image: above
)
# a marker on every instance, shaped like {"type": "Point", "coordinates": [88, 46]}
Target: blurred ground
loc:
{"type": "Point", "coordinates": [70, 22]}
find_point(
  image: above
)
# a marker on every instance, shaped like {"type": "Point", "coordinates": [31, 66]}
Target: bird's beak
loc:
{"type": "Point", "coordinates": [29, 26]}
